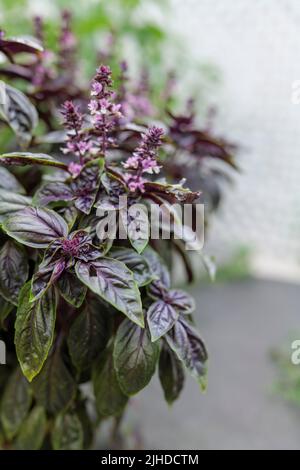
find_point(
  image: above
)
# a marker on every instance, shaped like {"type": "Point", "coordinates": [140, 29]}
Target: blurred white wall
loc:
{"type": "Point", "coordinates": [256, 44]}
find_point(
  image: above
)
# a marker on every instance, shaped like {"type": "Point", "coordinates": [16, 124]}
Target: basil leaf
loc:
{"type": "Point", "coordinates": [53, 192]}
{"type": "Point", "coordinates": [15, 45]}
{"type": "Point", "coordinates": [33, 430]}
{"type": "Point", "coordinates": [136, 263]}
{"type": "Point", "coordinates": [114, 282]}
{"type": "Point", "coordinates": [85, 187]}
{"type": "Point", "coordinates": [67, 433]}
{"type": "Point", "coordinates": [135, 357]}
{"type": "Point", "coordinates": [185, 341]}
{"type": "Point", "coordinates": [110, 400]}
{"type": "Point", "coordinates": [170, 192]}
{"type": "Point", "coordinates": [161, 317]}
{"type": "Point", "coordinates": [89, 333]}
{"type": "Point", "coordinates": [19, 113]}
{"type": "Point", "coordinates": [159, 269]}
{"type": "Point", "coordinates": [46, 277]}
{"type": "Point", "coordinates": [34, 326]}
{"type": "Point", "coordinates": [82, 189]}
{"type": "Point", "coordinates": [13, 271]}
{"type": "Point", "coordinates": [136, 225]}
{"type": "Point", "coordinates": [109, 196]}
{"type": "Point", "coordinates": [9, 182]}
{"type": "Point", "coordinates": [11, 202]}
{"type": "Point", "coordinates": [35, 227]}
{"type": "Point", "coordinates": [71, 289]}
{"type": "Point", "coordinates": [54, 388]}
{"type": "Point", "coordinates": [15, 403]}
{"type": "Point", "coordinates": [182, 301]}
{"type": "Point", "coordinates": [70, 215]}
{"type": "Point", "coordinates": [27, 158]}
{"type": "Point", "coordinates": [171, 375]}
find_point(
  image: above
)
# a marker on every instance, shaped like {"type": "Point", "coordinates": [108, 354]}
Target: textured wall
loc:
{"type": "Point", "coordinates": [256, 44]}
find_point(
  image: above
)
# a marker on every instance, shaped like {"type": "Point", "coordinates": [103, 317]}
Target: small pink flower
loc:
{"type": "Point", "coordinates": [104, 105]}
{"type": "Point", "coordinates": [132, 163]}
{"type": "Point", "coordinates": [96, 88]}
{"type": "Point", "coordinates": [93, 106]}
{"type": "Point", "coordinates": [135, 183]}
{"type": "Point", "coordinates": [116, 110]}
{"type": "Point", "coordinates": [83, 146]}
{"type": "Point", "coordinates": [74, 169]}
{"type": "Point", "coordinates": [150, 166]}
{"type": "Point", "coordinates": [69, 148]}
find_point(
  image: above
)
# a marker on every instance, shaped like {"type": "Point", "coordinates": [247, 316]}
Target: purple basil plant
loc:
{"type": "Point", "coordinates": [76, 308]}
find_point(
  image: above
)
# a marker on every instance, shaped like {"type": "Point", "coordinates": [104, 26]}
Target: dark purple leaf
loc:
{"type": "Point", "coordinates": [70, 215]}
{"type": "Point", "coordinates": [19, 113]}
{"type": "Point", "coordinates": [35, 227]}
{"type": "Point", "coordinates": [171, 374]}
{"type": "Point", "coordinates": [161, 317]}
{"type": "Point", "coordinates": [135, 262]}
{"type": "Point", "coordinates": [34, 330]}
{"type": "Point", "coordinates": [71, 289]}
{"type": "Point", "coordinates": [13, 271]}
{"type": "Point", "coordinates": [11, 202]}
{"type": "Point", "coordinates": [135, 357]}
{"type": "Point", "coordinates": [9, 182]}
{"type": "Point", "coordinates": [46, 276]}
{"type": "Point", "coordinates": [16, 45]}
{"type": "Point", "coordinates": [157, 266]}
{"type": "Point", "coordinates": [26, 158]}
{"type": "Point", "coordinates": [54, 388]}
{"type": "Point", "coordinates": [53, 192]}
{"type": "Point", "coordinates": [185, 341]}
{"type": "Point", "coordinates": [89, 333]}
{"type": "Point", "coordinates": [171, 193]}
{"type": "Point", "coordinates": [113, 282]}
{"type": "Point", "coordinates": [16, 71]}
{"type": "Point", "coordinates": [85, 187]}
{"type": "Point", "coordinates": [182, 301]}
{"type": "Point", "coordinates": [110, 400]}
{"type": "Point", "coordinates": [109, 198]}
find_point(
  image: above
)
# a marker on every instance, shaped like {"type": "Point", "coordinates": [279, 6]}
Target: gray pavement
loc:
{"type": "Point", "coordinates": [241, 322]}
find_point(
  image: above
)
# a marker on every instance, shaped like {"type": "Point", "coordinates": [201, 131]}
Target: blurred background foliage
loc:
{"type": "Point", "coordinates": [138, 31]}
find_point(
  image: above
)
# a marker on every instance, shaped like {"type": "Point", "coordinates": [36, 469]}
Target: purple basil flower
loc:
{"type": "Point", "coordinates": [144, 159]}
{"type": "Point", "coordinates": [150, 165]}
{"type": "Point", "coordinates": [74, 169]}
{"type": "Point", "coordinates": [104, 112]}
{"type": "Point", "coordinates": [67, 44]}
{"type": "Point", "coordinates": [39, 28]}
{"type": "Point", "coordinates": [77, 142]}
{"type": "Point", "coordinates": [73, 119]}
{"type": "Point", "coordinates": [135, 183]}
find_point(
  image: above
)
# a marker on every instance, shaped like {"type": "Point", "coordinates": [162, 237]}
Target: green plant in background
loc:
{"type": "Point", "coordinates": [93, 22]}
